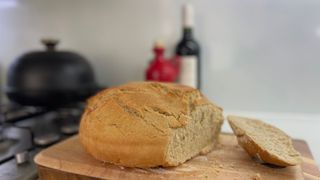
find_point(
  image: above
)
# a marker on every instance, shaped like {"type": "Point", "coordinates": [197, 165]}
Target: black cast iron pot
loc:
{"type": "Point", "coordinates": [50, 78]}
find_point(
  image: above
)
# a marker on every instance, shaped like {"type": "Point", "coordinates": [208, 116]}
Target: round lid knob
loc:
{"type": "Point", "coordinates": [50, 43]}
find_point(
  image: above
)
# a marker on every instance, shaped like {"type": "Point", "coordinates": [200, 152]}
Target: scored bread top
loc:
{"type": "Point", "coordinates": [172, 101]}
{"type": "Point", "coordinates": [264, 141]}
{"type": "Point", "coordinates": [136, 118]}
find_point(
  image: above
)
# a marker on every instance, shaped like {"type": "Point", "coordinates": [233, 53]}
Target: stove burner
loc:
{"type": "Point", "coordinates": [15, 140]}
{"type": "Point", "coordinates": [13, 113]}
{"type": "Point", "coordinates": [46, 140]}
{"type": "Point", "coordinates": [25, 130]}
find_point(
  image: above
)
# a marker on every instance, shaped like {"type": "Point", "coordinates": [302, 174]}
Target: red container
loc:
{"type": "Point", "coordinates": [161, 69]}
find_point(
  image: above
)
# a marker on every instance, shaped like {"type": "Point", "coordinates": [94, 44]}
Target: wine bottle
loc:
{"type": "Point", "coordinates": [189, 51]}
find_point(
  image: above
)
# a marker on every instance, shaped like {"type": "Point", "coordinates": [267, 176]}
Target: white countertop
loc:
{"type": "Point", "coordinates": [297, 125]}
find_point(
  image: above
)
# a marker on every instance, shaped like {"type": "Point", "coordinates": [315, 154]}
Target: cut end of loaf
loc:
{"type": "Point", "coordinates": [264, 141]}
{"type": "Point", "coordinates": [199, 135]}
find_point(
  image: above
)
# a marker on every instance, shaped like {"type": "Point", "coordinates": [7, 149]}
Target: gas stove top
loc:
{"type": "Point", "coordinates": [24, 131]}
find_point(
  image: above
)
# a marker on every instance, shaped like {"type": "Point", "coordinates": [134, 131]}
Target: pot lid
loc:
{"type": "Point", "coordinates": [50, 69]}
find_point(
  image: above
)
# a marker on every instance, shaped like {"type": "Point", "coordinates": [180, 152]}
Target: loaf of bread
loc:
{"type": "Point", "coordinates": [265, 142]}
{"type": "Point", "coordinates": [149, 124]}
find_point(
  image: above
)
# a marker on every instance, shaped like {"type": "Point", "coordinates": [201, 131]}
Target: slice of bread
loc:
{"type": "Point", "coordinates": [264, 141]}
{"type": "Point", "coordinates": [148, 124]}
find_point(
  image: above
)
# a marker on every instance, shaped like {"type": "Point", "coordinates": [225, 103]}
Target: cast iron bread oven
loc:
{"type": "Point", "coordinates": [50, 78]}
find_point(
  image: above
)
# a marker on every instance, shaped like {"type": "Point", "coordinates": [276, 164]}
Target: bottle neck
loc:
{"type": "Point", "coordinates": [187, 33]}
{"type": "Point", "coordinates": [159, 53]}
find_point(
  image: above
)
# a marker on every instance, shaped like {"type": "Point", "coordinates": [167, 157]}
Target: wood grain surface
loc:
{"type": "Point", "coordinates": [68, 160]}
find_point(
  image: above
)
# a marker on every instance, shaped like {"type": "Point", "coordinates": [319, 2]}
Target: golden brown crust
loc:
{"type": "Point", "coordinates": [254, 149]}
{"type": "Point", "coordinates": [131, 124]}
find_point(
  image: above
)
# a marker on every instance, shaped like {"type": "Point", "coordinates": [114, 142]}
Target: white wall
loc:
{"type": "Point", "coordinates": [257, 55]}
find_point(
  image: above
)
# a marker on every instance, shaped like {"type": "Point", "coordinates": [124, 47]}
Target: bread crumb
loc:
{"type": "Point", "coordinates": [141, 170]}
{"type": "Point", "coordinates": [232, 166]}
{"type": "Point", "coordinates": [158, 170]}
{"type": "Point", "coordinates": [201, 158]}
{"type": "Point", "coordinates": [256, 177]}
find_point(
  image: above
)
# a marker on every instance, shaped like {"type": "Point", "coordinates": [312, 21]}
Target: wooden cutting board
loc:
{"type": "Point", "coordinates": [68, 160]}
